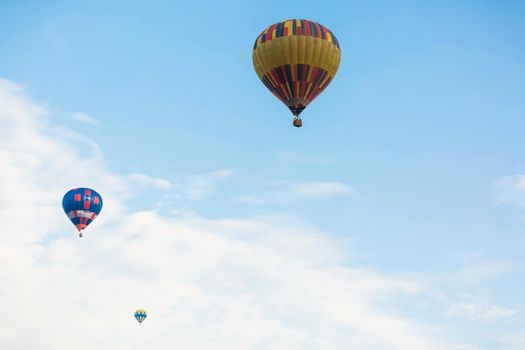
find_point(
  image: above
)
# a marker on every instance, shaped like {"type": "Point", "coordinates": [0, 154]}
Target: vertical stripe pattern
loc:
{"type": "Point", "coordinates": [295, 27]}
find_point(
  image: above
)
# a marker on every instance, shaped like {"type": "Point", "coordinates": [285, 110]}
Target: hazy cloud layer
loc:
{"type": "Point", "coordinates": [261, 283]}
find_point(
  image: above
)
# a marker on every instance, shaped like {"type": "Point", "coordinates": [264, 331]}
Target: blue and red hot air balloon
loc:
{"type": "Point", "coordinates": [82, 206]}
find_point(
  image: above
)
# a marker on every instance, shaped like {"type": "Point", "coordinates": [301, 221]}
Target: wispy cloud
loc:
{"type": "Point", "coordinates": [148, 181]}
{"type": "Point", "coordinates": [199, 186]}
{"type": "Point", "coordinates": [474, 268]}
{"type": "Point", "coordinates": [85, 118]}
{"type": "Point", "coordinates": [513, 342]}
{"type": "Point", "coordinates": [302, 158]}
{"type": "Point", "coordinates": [236, 284]}
{"type": "Point", "coordinates": [482, 271]}
{"type": "Point", "coordinates": [479, 309]}
{"type": "Point", "coordinates": [510, 190]}
{"type": "Point", "coordinates": [286, 191]}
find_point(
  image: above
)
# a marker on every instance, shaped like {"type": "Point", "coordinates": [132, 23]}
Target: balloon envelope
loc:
{"type": "Point", "coordinates": [82, 206]}
{"type": "Point", "coordinates": [296, 60]}
{"type": "Point", "coordinates": [141, 315]}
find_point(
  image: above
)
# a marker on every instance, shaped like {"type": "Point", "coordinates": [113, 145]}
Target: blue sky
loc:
{"type": "Point", "coordinates": [410, 163]}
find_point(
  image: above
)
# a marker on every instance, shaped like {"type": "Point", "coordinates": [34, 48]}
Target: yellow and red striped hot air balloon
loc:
{"type": "Point", "coordinates": [296, 60]}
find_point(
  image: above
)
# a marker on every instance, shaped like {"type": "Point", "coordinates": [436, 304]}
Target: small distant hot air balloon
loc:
{"type": "Point", "coordinates": [82, 206]}
{"type": "Point", "coordinates": [141, 315]}
{"type": "Point", "coordinates": [296, 60]}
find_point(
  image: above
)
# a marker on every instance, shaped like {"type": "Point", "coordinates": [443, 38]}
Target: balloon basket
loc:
{"type": "Point", "coordinates": [297, 122]}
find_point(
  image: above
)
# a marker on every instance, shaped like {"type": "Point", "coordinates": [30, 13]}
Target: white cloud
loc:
{"type": "Point", "coordinates": [286, 191]}
{"type": "Point", "coordinates": [259, 283]}
{"type": "Point", "coordinates": [85, 118]}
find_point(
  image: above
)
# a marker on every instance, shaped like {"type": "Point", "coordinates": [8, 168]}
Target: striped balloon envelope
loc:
{"type": "Point", "coordinates": [82, 206]}
{"type": "Point", "coordinates": [296, 60]}
{"type": "Point", "coordinates": [141, 315]}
